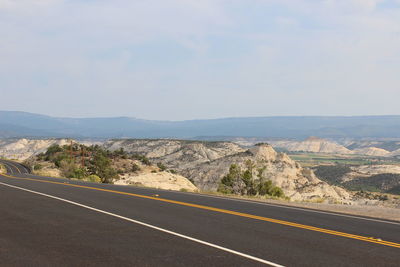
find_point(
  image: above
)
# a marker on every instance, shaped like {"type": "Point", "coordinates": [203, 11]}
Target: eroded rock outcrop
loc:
{"type": "Point", "coordinates": [177, 154]}
{"type": "Point", "coordinates": [21, 149]}
{"type": "Point", "coordinates": [296, 182]}
{"type": "Point", "coordinates": [313, 144]}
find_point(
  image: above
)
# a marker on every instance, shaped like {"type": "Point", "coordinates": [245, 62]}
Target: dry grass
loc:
{"type": "Point", "coordinates": [2, 169]}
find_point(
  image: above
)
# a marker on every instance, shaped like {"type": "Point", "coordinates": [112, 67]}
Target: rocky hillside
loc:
{"type": "Point", "coordinates": [296, 182]}
{"type": "Point", "coordinates": [176, 154]}
{"type": "Point", "coordinates": [318, 145]}
{"type": "Point", "coordinates": [206, 163]}
{"type": "Point", "coordinates": [395, 153]}
{"type": "Point", "coordinates": [312, 144]}
{"type": "Point", "coordinates": [375, 178]}
{"type": "Point", "coordinates": [389, 145]}
{"type": "Point", "coordinates": [21, 149]}
{"type": "Point", "coordinates": [95, 164]}
{"type": "Point", "coordinates": [372, 151]}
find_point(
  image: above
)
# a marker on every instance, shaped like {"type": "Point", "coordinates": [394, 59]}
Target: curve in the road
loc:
{"type": "Point", "coordinates": [14, 167]}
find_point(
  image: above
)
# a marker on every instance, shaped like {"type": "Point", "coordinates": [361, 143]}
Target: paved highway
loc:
{"type": "Point", "coordinates": [58, 222]}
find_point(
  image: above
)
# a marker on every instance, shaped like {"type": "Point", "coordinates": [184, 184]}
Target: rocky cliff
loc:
{"type": "Point", "coordinates": [205, 163]}
{"type": "Point", "coordinates": [296, 182]}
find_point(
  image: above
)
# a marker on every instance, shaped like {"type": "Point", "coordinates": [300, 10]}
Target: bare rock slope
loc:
{"type": "Point", "coordinates": [372, 151]}
{"type": "Point", "coordinates": [162, 180]}
{"type": "Point", "coordinates": [22, 149]}
{"type": "Point", "coordinates": [177, 154]}
{"type": "Point", "coordinates": [312, 144]}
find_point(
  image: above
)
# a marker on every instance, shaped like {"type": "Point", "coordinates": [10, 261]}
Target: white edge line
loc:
{"type": "Point", "coordinates": [150, 226]}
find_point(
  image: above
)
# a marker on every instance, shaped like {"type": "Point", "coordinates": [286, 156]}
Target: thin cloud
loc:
{"type": "Point", "coordinates": [177, 59]}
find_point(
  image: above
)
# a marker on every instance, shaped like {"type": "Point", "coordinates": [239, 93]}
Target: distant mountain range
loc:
{"type": "Point", "coordinates": [22, 124]}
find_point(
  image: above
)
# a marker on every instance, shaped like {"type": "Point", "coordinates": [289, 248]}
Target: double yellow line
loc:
{"type": "Point", "coordinates": [245, 215]}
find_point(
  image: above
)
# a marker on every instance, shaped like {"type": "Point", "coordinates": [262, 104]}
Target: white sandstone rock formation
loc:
{"type": "Point", "coordinates": [161, 180]}
{"type": "Point", "coordinates": [296, 182]}
{"type": "Point", "coordinates": [22, 149]}
{"type": "Point", "coordinates": [312, 144]}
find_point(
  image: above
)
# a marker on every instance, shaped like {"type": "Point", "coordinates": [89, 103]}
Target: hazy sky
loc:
{"type": "Point", "coordinates": [188, 59]}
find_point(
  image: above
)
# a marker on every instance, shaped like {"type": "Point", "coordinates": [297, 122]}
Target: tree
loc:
{"type": "Point", "coordinates": [101, 166]}
{"type": "Point", "coordinates": [264, 188]}
{"type": "Point", "coordinates": [244, 180]}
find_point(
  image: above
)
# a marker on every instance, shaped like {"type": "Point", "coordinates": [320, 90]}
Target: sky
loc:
{"type": "Point", "coordinates": [191, 59]}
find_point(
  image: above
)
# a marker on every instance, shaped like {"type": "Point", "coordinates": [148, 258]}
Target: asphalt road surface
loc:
{"type": "Point", "coordinates": [58, 222]}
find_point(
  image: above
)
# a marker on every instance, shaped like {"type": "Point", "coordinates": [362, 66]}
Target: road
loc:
{"type": "Point", "coordinates": [59, 222]}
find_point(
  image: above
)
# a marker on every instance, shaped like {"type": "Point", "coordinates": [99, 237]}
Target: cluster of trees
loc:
{"type": "Point", "coordinates": [242, 182]}
{"type": "Point", "coordinates": [97, 161]}
{"type": "Point", "coordinates": [332, 174]}
{"type": "Point", "coordinates": [384, 183]}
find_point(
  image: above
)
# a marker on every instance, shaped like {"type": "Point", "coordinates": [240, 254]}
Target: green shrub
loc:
{"type": "Point", "coordinates": [37, 167]}
{"type": "Point", "coordinates": [264, 188]}
{"type": "Point", "coordinates": [135, 168]}
{"type": "Point", "coordinates": [53, 149]}
{"type": "Point", "coordinates": [93, 178]}
{"type": "Point", "coordinates": [161, 166]}
{"type": "Point", "coordinates": [233, 175]}
{"type": "Point", "coordinates": [332, 174]}
{"type": "Point", "coordinates": [385, 183]}
{"type": "Point", "coordinates": [245, 184]}
{"type": "Point", "coordinates": [142, 158]}
{"type": "Point", "coordinates": [225, 189]}
{"type": "Point", "coordinates": [276, 192]}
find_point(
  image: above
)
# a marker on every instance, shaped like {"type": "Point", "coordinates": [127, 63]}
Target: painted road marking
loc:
{"type": "Point", "coordinates": [8, 167]}
{"type": "Point", "coordinates": [288, 207]}
{"type": "Point", "coordinates": [278, 205]}
{"type": "Point", "coordinates": [11, 166]}
{"type": "Point", "coordinates": [240, 214]}
{"type": "Point", "coordinates": [151, 226]}
{"type": "Point", "coordinates": [14, 165]}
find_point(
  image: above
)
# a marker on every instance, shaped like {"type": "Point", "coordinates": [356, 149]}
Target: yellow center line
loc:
{"type": "Point", "coordinates": [245, 215]}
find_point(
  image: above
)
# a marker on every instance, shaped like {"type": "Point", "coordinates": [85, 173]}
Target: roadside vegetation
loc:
{"type": "Point", "coordinates": [2, 169]}
{"type": "Point", "coordinates": [243, 182]}
{"type": "Point", "coordinates": [89, 163]}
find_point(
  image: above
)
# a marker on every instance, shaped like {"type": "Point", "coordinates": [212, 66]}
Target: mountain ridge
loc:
{"type": "Point", "coordinates": [24, 124]}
